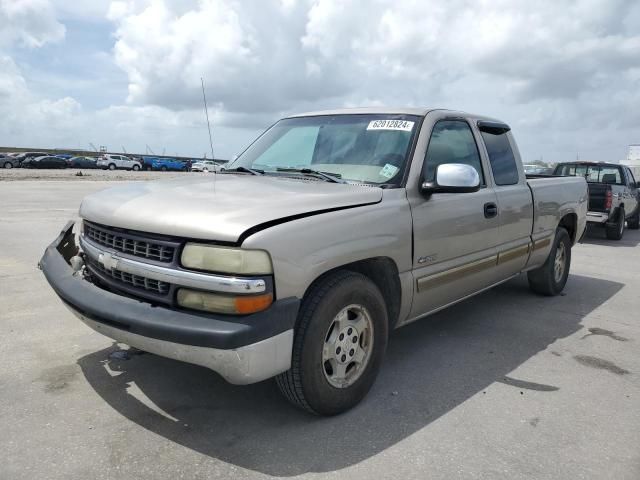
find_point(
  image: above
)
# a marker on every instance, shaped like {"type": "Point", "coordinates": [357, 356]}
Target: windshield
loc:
{"type": "Point", "coordinates": [592, 173]}
{"type": "Point", "coordinates": [358, 148]}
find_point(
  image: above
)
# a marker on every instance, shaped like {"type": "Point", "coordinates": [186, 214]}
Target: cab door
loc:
{"type": "Point", "coordinates": [515, 202]}
{"type": "Point", "coordinates": [455, 234]}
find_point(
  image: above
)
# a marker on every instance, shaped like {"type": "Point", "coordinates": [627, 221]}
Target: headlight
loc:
{"type": "Point", "coordinates": [218, 303]}
{"type": "Point", "coordinates": [226, 260]}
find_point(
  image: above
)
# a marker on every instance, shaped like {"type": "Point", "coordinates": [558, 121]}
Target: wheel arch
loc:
{"type": "Point", "coordinates": [383, 272]}
{"type": "Point", "coordinates": [570, 223]}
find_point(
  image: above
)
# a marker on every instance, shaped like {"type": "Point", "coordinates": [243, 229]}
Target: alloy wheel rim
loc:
{"type": "Point", "coordinates": [347, 347]}
{"type": "Point", "coordinates": [559, 263]}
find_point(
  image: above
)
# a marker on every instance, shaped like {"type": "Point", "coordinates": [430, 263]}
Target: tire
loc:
{"type": "Point", "coordinates": [548, 280]}
{"type": "Point", "coordinates": [8, 165]}
{"type": "Point", "coordinates": [616, 231]}
{"type": "Point", "coordinates": [163, 168]}
{"type": "Point", "coordinates": [136, 168]}
{"type": "Point", "coordinates": [311, 383]}
{"type": "Point", "coordinates": [634, 222]}
{"type": "Point", "coordinates": [112, 166]}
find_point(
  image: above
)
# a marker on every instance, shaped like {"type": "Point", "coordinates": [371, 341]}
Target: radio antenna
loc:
{"type": "Point", "coordinates": [206, 112]}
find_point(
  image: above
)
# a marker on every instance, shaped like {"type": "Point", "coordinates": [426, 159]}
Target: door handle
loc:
{"type": "Point", "coordinates": [490, 210]}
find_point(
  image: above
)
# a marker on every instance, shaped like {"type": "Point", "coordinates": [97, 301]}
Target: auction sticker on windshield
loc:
{"type": "Point", "coordinates": [404, 125]}
{"type": "Point", "coordinates": [388, 171]}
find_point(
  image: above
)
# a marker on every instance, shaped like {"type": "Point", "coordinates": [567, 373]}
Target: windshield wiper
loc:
{"type": "Point", "coordinates": [243, 170]}
{"type": "Point", "coordinates": [329, 177]}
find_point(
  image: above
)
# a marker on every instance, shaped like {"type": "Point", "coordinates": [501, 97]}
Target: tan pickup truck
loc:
{"type": "Point", "coordinates": [325, 234]}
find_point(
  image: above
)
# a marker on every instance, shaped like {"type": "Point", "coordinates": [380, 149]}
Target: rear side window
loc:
{"type": "Point", "coordinates": [632, 179]}
{"type": "Point", "coordinates": [592, 173]}
{"type": "Point", "coordinates": [451, 142]}
{"type": "Point", "coordinates": [501, 158]}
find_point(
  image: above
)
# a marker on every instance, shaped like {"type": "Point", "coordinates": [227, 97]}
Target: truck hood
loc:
{"type": "Point", "coordinates": [219, 207]}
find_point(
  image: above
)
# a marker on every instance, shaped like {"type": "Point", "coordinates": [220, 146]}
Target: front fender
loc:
{"type": "Point", "coordinates": [304, 249]}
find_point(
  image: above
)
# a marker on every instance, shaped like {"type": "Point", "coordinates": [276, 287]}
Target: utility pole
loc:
{"type": "Point", "coordinates": [206, 111]}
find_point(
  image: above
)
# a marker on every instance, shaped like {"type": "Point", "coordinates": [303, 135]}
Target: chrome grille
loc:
{"type": "Point", "coordinates": [130, 244]}
{"type": "Point", "coordinates": [137, 281]}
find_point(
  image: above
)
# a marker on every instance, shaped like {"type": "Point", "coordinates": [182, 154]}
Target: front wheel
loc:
{"type": "Point", "coordinates": [163, 168]}
{"type": "Point", "coordinates": [136, 168]}
{"type": "Point", "coordinates": [616, 231]}
{"type": "Point", "coordinates": [551, 277]}
{"type": "Point", "coordinates": [8, 165]}
{"type": "Point", "coordinates": [339, 345]}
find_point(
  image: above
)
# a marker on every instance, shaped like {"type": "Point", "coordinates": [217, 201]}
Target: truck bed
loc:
{"type": "Point", "coordinates": [553, 198]}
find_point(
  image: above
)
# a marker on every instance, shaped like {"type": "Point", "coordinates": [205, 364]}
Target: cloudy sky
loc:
{"type": "Point", "coordinates": [565, 74]}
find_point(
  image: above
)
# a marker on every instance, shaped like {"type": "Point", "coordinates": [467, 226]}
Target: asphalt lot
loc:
{"type": "Point", "coordinates": [505, 385]}
{"type": "Point", "coordinates": [73, 174]}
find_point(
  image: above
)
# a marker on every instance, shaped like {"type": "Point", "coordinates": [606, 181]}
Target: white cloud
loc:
{"type": "Point", "coordinates": [562, 73]}
{"type": "Point", "coordinates": [25, 115]}
{"type": "Point", "coordinates": [31, 23]}
{"type": "Point", "coordinates": [84, 10]}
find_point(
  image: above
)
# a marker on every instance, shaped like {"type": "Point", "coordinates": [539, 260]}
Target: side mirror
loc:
{"type": "Point", "coordinates": [453, 178]}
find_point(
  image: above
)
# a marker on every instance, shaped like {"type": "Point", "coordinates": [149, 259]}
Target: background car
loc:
{"type": "Point", "coordinates": [47, 161]}
{"type": "Point", "coordinates": [165, 164]}
{"type": "Point", "coordinates": [117, 162]}
{"type": "Point", "coordinates": [8, 161]}
{"type": "Point", "coordinates": [204, 166]}
{"type": "Point", "coordinates": [534, 169]}
{"type": "Point", "coordinates": [82, 162]}
{"type": "Point", "coordinates": [21, 157]}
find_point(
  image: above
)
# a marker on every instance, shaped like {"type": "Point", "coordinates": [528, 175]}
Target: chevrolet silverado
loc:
{"type": "Point", "coordinates": [300, 257]}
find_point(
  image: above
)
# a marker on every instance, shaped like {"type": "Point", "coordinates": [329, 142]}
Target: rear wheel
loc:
{"type": "Point", "coordinates": [112, 166]}
{"type": "Point", "coordinates": [8, 165]}
{"type": "Point", "coordinates": [163, 168]}
{"type": "Point", "coordinates": [339, 344]}
{"type": "Point", "coordinates": [616, 231]}
{"type": "Point", "coordinates": [551, 277]}
{"type": "Point", "coordinates": [634, 222]}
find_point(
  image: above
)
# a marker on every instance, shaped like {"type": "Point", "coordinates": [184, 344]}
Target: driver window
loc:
{"type": "Point", "coordinates": [451, 142]}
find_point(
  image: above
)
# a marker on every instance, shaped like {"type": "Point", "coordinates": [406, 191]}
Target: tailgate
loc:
{"type": "Point", "coordinates": [598, 196]}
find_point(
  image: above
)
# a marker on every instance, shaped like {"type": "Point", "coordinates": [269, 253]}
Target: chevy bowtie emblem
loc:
{"type": "Point", "coordinates": [108, 261]}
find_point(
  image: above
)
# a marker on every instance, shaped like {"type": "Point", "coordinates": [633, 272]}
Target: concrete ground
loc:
{"type": "Point", "coordinates": [507, 385]}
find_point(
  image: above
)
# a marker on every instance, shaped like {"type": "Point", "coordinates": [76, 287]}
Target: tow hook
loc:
{"type": "Point", "coordinates": [77, 262]}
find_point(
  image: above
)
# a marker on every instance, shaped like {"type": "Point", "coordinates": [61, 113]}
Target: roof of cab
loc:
{"type": "Point", "coordinates": [583, 162]}
{"type": "Point", "coordinates": [392, 111]}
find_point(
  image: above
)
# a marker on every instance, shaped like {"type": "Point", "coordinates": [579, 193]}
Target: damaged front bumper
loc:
{"type": "Point", "coordinates": [242, 349]}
